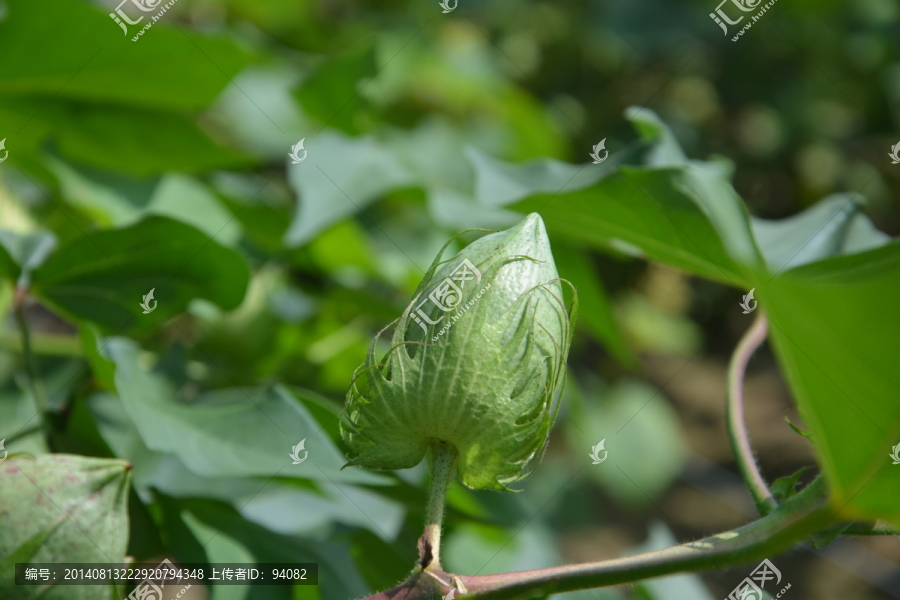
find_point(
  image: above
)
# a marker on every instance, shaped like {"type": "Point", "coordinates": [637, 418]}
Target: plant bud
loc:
{"type": "Point", "coordinates": [477, 360]}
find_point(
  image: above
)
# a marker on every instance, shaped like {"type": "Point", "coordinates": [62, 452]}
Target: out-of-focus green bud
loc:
{"type": "Point", "coordinates": [477, 360]}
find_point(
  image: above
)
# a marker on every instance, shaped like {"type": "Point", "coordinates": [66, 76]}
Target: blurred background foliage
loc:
{"type": "Point", "coordinates": [162, 163]}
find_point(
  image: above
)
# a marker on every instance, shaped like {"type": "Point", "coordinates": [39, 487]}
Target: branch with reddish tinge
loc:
{"type": "Point", "coordinates": [795, 520]}
{"type": "Point", "coordinates": [734, 414]}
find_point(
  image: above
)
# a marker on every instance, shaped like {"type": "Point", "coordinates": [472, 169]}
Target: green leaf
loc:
{"type": "Point", "coordinates": [276, 509]}
{"type": "Point", "coordinates": [679, 212]}
{"type": "Point", "coordinates": [104, 370]}
{"type": "Point", "coordinates": [275, 506]}
{"type": "Point", "coordinates": [189, 201]}
{"type": "Point", "coordinates": [169, 68]}
{"type": "Point", "coordinates": [105, 203]}
{"type": "Point", "coordinates": [136, 141]}
{"type": "Point", "coordinates": [21, 253]}
{"type": "Point", "coordinates": [666, 150]}
{"type": "Point", "coordinates": [335, 564]}
{"type": "Point", "coordinates": [220, 548]}
{"type": "Point", "coordinates": [62, 508]}
{"type": "Point", "coordinates": [330, 92]}
{"type": "Point", "coordinates": [160, 471]}
{"type": "Point", "coordinates": [642, 209]}
{"type": "Point", "coordinates": [228, 433]}
{"type": "Point", "coordinates": [796, 429]}
{"type": "Point", "coordinates": [784, 487]}
{"type": "Point", "coordinates": [835, 332]}
{"type": "Point", "coordinates": [339, 177]}
{"type": "Point", "coordinates": [107, 101]}
{"type": "Point", "coordinates": [832, 226]}
{"type": "Point", "coordinates": [824, 537]}
{"type": "Point", "coordinates": [102, 276]}
{"type": "Point", "coordinates": [498, 183]}
{"type": "Point", "coordinates": [8, 267]}
{"type": "Point", "coordinates": [596, 308]}
{"type": "Point", "coordinates": [489, 549]}
{"type": "Point", "coordinates": [379, 562]}
{"type": "Point", "coordinates": [644, 446]}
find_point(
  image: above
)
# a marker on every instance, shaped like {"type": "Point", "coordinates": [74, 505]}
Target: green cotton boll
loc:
{"type": "Point", "coordinates": [477, 360]}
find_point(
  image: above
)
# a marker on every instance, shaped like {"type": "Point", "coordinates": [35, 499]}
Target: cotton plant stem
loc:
{"type": "Point", "coordinates": [30, 363]}
{"type": "Point", "coordinates": [734, 414]}
{"type": "Point", "coordinates": [795, 520]}
{"type": "Point", "coordinates": [443, 462]}
{"type": "Point", "coordinates": [45, 344]}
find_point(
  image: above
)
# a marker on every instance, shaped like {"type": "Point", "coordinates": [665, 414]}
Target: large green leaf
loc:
{"type": "Point", "coordinates": [272, 504]}
{"type": "Point", "coordinates": [647, 209]}
{"type": "Point", "coordinates": [676, 211]}
{"type": "Point", "coordinates": [61, 508]}
{"type": "Point", "coordinates": [830, 319]}
{"type": "Point", "coordinates": [136, 141]}
{"type": "Point", "coordinates": [103, 275]}
{"type": "Point", "coordinates": [836, 332]}
{"type": "Point", "coordinates": [107, 101]}
{"type": "Point", "coordinates": [228, 433]}
{"type": "Point", "coordinates": [90, 58]}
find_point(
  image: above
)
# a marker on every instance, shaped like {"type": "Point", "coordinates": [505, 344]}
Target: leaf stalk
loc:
{"type": "Point", "coordinates": [734, 415]}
